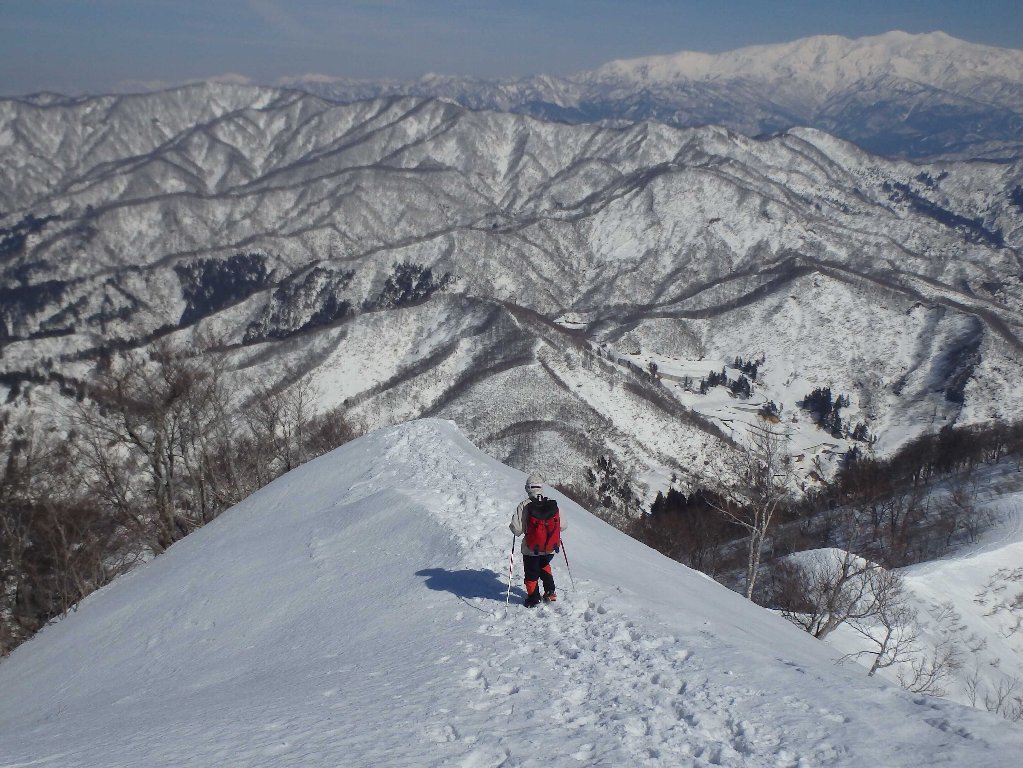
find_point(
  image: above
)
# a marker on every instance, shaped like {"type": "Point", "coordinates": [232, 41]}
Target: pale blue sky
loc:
{"type": "Point", "coordinates": [76, 46]}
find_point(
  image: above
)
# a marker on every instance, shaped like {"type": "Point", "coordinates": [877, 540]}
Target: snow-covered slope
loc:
{"type": "Point", "coordinates": [935, 59]}
{"type": "Point", "coordinates": [959, 618]}
{"type": "Point", "coordinates": [974, 600]}
{"type": "Point", "coordinates": [409, 257]}
{"type": "Point", "coordinates": [896, 93]}
{"type": "Point", "coordinates": [353, 613]}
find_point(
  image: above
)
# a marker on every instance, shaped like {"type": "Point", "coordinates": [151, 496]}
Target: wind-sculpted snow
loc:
{"type": "Point", "coordinates": [277, 220]}
{"type": "Point", "coordinates": [354, 613]}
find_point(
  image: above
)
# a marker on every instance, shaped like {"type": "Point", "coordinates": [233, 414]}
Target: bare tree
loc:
{"type": "Point", "coordinates": [894, 518]}
{"type": "Point", "coordinates": [761, 476]}
{"type": "Point", "coordinates": [826, 589]}
{"type": "Point", "coordinates": [822, 590]}
{"type": "Point", "coordinates": [1007, 699]}
{"type": "Point", "coordinates": [927, 673]}
{"type": "Point", "coordinates": [958, 513]}
{"type": "Point", "coordinates": [146, 436]}
{"type": "Point", "coordinates": [889, 625]}
{"type": "Point", "coordinates": [160, 447]}
{"type": "Point", "coordinates": [277, 417]}
{"type": "Point", "coordinates": [56, 545]}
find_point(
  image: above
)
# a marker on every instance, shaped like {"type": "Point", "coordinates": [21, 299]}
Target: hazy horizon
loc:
{"type": "Point", "coordinates": [97, 46]}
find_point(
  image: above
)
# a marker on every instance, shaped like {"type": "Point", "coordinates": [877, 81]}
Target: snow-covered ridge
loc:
{"type": "Point", "coordinates": [353, 613]}
{"type": "Point", "coordinates": [936, 59]}
{"type": "Point", "coordinates": [923, 95]}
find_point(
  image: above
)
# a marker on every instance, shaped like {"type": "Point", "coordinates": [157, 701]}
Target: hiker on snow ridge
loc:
{"type": "Point", "coordinates": [538, 520]}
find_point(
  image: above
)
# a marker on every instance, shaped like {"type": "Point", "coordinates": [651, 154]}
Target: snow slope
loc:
{"type": "Point", "coordinates": [352, 613]}
{"type": "Point", "coordinates": [967, 605]}
{"type": "Point", "coordinates": [975, 598]}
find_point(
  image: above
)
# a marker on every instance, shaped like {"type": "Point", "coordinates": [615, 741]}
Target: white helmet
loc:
{"type": "Point", "coordinates": [534, 485]}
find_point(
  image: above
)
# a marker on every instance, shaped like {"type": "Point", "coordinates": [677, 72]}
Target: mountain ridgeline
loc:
{"type": "Point", "coordinates": [896, 94]}
{"type": "Point", "coordinates": [408, 256]}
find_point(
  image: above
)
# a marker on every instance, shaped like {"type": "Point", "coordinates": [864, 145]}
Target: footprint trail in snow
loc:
{"type": "Point", "coordinates": [581, 672]}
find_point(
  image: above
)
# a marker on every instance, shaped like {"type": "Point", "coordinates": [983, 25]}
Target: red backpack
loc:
{"type": "Point", "coordinates": [543, 526]}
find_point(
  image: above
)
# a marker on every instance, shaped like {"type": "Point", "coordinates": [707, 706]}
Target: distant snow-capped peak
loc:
{"type": "Point", "coordinates": [934, 58]}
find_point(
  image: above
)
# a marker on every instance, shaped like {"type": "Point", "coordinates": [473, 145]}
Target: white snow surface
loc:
{"type": "Point", "coordinates": [969, 601]}
{"type": "Point", "coordinates": [352, 613]}
{"type": "Point", "coordinates": [833, 61]}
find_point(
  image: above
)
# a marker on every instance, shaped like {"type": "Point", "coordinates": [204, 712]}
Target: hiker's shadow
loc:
{"type": "Point", "coordinates": [467, 584]}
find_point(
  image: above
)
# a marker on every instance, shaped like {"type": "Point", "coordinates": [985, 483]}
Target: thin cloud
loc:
{"type": "Point", "coordinates": [282, 21]}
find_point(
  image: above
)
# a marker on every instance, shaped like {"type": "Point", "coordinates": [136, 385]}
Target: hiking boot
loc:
{"type": "Point", "coordinates": [550, 597]}
{"type": "Point", "coordinates": [532, 599]}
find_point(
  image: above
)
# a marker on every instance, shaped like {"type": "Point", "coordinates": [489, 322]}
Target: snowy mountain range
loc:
{"type": "Point", "coordinates": [411, 257]}
{"type": "Point", "coordinates": [896, 94]}
{"type": "Point", "coordinates": [354, 613]}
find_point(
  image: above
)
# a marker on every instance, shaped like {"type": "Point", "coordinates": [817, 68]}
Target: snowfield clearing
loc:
{"type": "Point", "coordinates": [353, 613]}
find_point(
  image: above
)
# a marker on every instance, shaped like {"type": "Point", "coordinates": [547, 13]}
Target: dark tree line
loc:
{"type": "Point", "coordinates": [827, 413]}
{"type": "Point", "coordinates": [973, 229]}
{"type": "Point", "coordinates": [209, 285]}
{"type": "Point", "coordinates": [1016, 197]}
{"type": "Point", "coordinates": [825, 410]}
{"type": "Point", "coordinates": [886, 510]}
{"type": "Point", "coordinates": [935, 454]}
{"type": "Point", "coordinates": [890, 509]}
{"type": "Point", "coordinates": [749, 367]}
{"type": "Point", "coordinates": [739, 387]}
{"type": "Point", "coordinates": [409, 283]}
{"type": "Point", "coordinates": [13, 239]}
{"type": "Point", "coordinates": [688, 528]}
{"type": "Point", "coordinates": [158, 447]}
{"type": "Point", "coordinates": [613, 489]}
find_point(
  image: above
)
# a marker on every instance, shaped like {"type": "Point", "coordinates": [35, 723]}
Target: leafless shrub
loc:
{"type": "Point", "coordinates": [826, 589]}
{"type": "Point", "coordinates": [1006, 700]}
{"type": "Point", "coordinates": [56, 546]}
{"type": "Point", "coordinates": [158, 449]}
{"type": "Point", "coordinates": [889, 626]}
{"type": "Point", "coordinates": [326, 431]}
{"type": "Point", "coordinates": [760, 478]}
{"type": "Point", "coordinates": [928, 673]}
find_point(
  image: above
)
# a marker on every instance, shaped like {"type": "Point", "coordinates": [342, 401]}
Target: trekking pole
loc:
{"type": "Point", "coordinates": [565, 553]}
{"type": "Point", "coordinates": [511, 567]}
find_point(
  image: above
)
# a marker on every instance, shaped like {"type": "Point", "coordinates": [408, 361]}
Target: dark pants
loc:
{"type": "Point", "coordinates": [538, 568]}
